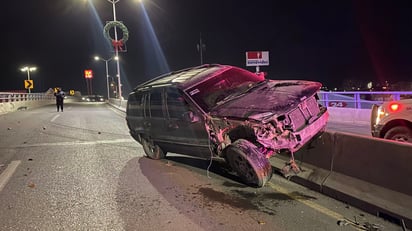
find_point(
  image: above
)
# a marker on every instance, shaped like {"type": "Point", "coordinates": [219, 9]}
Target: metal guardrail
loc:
{"type": "Point", "coordinates": [360, 99]}
{"type": "Point", "coordinates": [6, 97]}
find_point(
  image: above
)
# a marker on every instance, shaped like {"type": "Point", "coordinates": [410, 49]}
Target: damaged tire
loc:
{"type": "Point", "coordinates": [249, 163]}
{"type": "Point", "coordinates": [152, 150]}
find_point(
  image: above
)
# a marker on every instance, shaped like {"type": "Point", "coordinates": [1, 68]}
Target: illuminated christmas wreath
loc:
{"type": "Point", "coordinates": [118, 44]}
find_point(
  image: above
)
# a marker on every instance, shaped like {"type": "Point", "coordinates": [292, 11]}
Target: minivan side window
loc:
{"type": "Point", "coordinates": [156, 103]}
{"type": "Point", "coordinates": [135, 105]}
{"type": "Point", "coordinates": [176, 104]}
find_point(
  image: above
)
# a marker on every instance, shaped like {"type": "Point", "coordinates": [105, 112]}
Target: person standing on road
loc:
{"type": "Point", "coordinates": [59, 99]}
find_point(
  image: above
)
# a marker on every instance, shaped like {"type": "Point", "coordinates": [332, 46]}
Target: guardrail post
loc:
{"type": "Point", "coordinates": [357, 100]}
{"type": "Point", "coordinates": [397, 96]}
{"type": "Point", "coordinates": [325, 99]}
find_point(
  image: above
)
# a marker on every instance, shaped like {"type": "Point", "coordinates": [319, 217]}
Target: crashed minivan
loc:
{"type": "Point", "coordinates": [213, 111]}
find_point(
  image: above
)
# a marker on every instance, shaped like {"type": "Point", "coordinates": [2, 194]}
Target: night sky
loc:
{"type": "Point", "coordinates": [325, 41]}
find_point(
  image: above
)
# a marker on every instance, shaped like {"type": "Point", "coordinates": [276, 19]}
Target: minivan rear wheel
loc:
{"type": "Point", "coordinates": [249, 163]}
{"type": "Point", "coordinates": [152, 150]}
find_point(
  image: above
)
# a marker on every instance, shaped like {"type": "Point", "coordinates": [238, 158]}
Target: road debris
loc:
{"type": "Point", "coordinates": [261, 222]}
{"type": "Point", "coordinates": [366, 226]}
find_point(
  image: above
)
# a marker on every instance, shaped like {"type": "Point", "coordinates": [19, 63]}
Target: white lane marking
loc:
{"type": "Point", "coordinates": [8, 172]}
{"type": "Point", "coordinates": [54, 118]}
{"type": "Point", "coordinates": [79, 143]}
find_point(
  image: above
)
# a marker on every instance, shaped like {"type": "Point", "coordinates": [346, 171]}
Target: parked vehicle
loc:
{"type": "Point", "coordinates": [228, 112]}
{"type": "Point", "coordinates": [393, 120]}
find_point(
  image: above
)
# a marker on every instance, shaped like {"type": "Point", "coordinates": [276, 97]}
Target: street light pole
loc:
{"type": "Point", "coordinates": [107, 73]}
{"type": "Point", "coordinates": [201, 47]}
{"type": "Point", "coordinates": [107, 78]}
{"type": "Point", "coordinates": [116, 49]}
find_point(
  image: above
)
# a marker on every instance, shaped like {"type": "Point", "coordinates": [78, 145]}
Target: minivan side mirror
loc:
{"type": "Point", "coordinates": [191, 117]}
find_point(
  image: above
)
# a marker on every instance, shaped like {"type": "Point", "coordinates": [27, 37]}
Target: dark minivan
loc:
{"type": "Point", "coordinates": [224, 111]}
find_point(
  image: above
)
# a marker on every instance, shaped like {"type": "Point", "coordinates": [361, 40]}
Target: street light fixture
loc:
{"type": "Point", "coordinates": [28, 69]}
{"type": "Point", "coordinates": [97, 58]}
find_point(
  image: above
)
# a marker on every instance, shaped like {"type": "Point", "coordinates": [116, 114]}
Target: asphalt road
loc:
{"type": "Point", "coordinates": [80, 170]}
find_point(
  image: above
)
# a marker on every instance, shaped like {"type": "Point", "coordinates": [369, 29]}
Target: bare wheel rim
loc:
{"type": "Point", "coordinates": [152, 150]}
{"type": "Point", "coordinates": [243, 168]}
{"type": "Point", "coordinates": [151, 146]}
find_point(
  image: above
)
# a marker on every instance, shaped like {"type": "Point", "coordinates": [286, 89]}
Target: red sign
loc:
{"type": "Point", "coordinates": [254, 54]}
{"type": "Point", "coordinates": [88, 74]}
{"type": "Point", "coordinates": [257, 58]}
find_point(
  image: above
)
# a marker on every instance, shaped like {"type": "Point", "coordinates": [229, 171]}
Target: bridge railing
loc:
{"type": "Point", "coordinates": [360, 99]}
{"type": "Point", "coordinates": [6, 97]}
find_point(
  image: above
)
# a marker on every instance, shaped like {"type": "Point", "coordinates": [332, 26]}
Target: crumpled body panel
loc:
{"type": "Point", "coordinates": [277, 97]}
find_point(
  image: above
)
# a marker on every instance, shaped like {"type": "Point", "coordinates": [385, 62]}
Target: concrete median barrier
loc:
{"type": "Point", "coordinates": [372, 174]}
{"type": "Point", "coordinates": [314, 159]}
{"type": "Point", "coordinates": [6, 107]}
{"type": "Point", "coordinates": [119, 104]}
{"type": "Point", "coordinates": [377, 161]}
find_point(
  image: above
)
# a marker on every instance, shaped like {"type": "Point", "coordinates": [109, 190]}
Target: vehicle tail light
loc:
{"type": "Point", "coordinates": [394, 107]}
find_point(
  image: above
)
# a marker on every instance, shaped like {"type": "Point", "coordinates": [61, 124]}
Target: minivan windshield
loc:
{"type": "Point", "coordinates": [221, 86]}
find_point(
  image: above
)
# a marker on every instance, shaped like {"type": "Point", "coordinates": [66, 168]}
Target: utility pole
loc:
{"type": "Point", "coordinates": [201, 47]}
